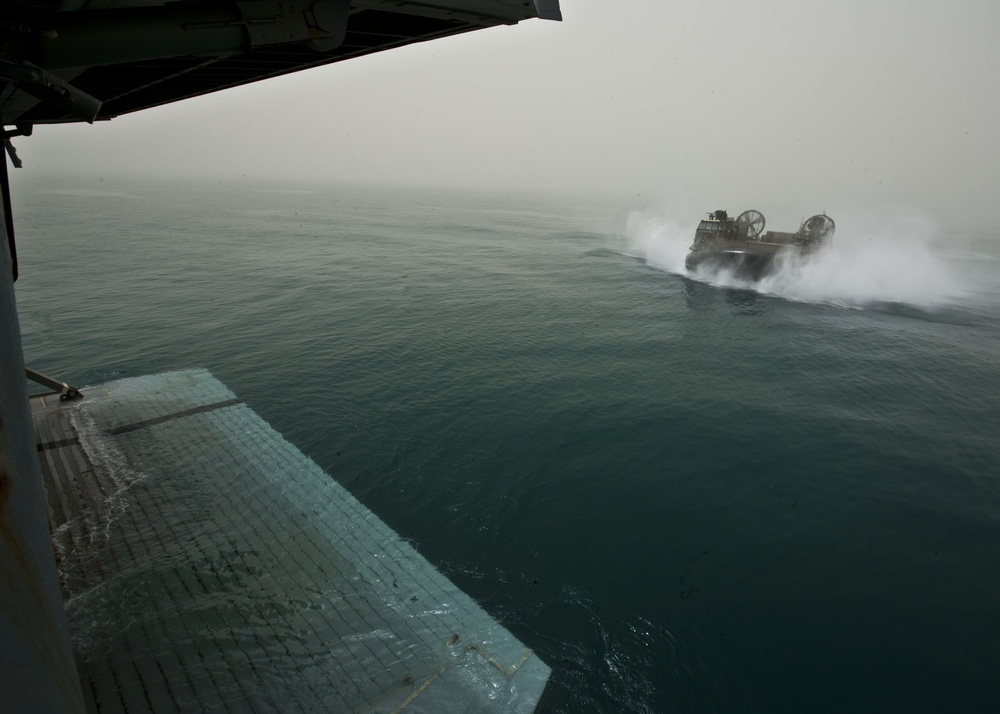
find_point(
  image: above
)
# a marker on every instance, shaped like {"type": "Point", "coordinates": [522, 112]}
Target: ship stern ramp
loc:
{"type": "Point", "coordinates": [208, 565]}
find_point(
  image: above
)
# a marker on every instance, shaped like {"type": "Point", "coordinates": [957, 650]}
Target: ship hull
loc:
{"type": "Point", "coordinates": [743, 261]}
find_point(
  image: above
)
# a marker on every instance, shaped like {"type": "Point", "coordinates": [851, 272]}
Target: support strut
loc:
{"type": "Point", "coordinates": [7, 215]}
{"type": "Point", "coordinates": [64, 391]}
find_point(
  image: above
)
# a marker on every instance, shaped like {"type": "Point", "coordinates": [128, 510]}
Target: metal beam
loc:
{"type": "Point", "coordinates": [37, 671]}
{"type": "Point", "coordinates": [73, 40]}
{"type": "Point", "coordinates": [64, 391]}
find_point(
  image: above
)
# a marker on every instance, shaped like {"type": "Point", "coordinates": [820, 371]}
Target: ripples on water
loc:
{"type": "Point", "coordinates": [686, 493]}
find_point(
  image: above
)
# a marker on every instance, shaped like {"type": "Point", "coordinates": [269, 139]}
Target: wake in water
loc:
{"type": "Point", "coordinates": [871, 260]}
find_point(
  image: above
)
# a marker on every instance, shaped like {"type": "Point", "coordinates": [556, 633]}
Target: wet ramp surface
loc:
{"type": "Point", "coordinates": [208, 565]}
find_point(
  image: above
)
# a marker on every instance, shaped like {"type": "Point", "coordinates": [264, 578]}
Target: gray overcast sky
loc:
{"type": "Point", "coordinates": [779, 104]}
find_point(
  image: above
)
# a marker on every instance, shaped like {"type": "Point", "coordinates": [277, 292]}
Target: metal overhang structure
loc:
{"type": "Point", "coordinates": [86, 60]}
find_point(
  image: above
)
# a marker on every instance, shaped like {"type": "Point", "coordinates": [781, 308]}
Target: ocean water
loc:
{"type": "Point", "coordinates": [684, 492]}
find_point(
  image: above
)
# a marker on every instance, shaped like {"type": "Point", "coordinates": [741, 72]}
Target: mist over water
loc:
{"type": "Point", "coordinates": [873, 259]}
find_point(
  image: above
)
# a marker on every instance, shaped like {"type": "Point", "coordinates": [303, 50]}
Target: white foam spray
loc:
{"type": "Point", "coordinates": [84, 539]}
{"type": "Point", "coordinates": [659, 239]}
{"type": "Point", "coordinates": [873, 259]}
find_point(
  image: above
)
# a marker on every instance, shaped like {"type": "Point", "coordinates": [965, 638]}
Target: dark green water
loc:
{"type": "Point", "coordinates": [685, 494]}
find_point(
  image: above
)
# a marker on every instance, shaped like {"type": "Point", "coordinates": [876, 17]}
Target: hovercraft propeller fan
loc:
{"type": "Point", "coordinates": [750, 224]}
{"type": "Point", "coordinates": [818, 229]}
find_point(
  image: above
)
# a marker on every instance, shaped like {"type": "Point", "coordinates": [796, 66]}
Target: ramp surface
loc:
{"type": "Point", "coordinates": [208, 565]}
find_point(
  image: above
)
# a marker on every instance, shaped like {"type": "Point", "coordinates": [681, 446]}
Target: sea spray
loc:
{"type": "Point", "coordinates": [875, 259]}
{"type": "Point", "coordinates": [658, 238]}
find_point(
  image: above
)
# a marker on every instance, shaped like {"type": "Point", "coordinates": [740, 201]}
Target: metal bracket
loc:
{"type": "Point", "coordinates": [11, 151]}
{"type": "Point", "coordinates": [548, 10]}
{"type": "Point", "coordinates": [49, 88]}
{"type": "Point", "coordinates": [65, 391]}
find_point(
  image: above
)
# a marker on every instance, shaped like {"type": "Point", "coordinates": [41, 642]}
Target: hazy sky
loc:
{"type": "Point", "coordinates": [781, 105]}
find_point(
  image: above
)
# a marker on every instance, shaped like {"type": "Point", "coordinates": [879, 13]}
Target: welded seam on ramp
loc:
{"type": "Point", "coordinates": [176, 415]}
